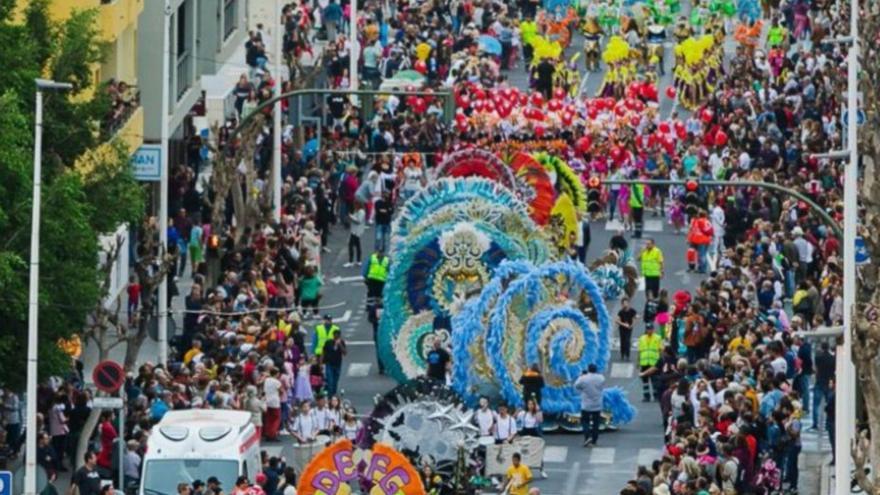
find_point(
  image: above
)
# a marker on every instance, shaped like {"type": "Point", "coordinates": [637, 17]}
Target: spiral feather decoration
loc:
{"type": "Point", "coordinates": [614, 401]}
{"type": "Point", "coordinates": [566, 179]}
{"type": "Point", "coordinates": [476, 163]}
{"type": "Point", "coordinates": [449, 241]}
{"type": "Point", "coordinates": [611, 279]}
{"type": "Point", "coordinates": [525, 316]}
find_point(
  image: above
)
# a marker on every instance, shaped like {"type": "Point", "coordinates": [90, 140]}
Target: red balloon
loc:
{"type": "Point", "coordinates": [670, 92]}
{"type": "Point", "coordinates": [620, 111]}
{"type": "Point", "coordinates": [720, 138]}
{"type": "Point", "coordinates": [680, 132]}
{"type": "Point", "coordinates": [523, 100]}
{"type": "Point", "coordinates": [479, 94]}
{"type": "Point", "coordinates": [669, 145]}
{"type": "Point", "coordinates": [421, 67]}
{"type": "Point", "coordinates": [592, 113]}
{"type": "Point", "coordinates": [539, 131]}
{"type": "Point", "coordinates": [664, 127]}
{"type": "Point", "coordinates": [567, 119]}
{"type": "Point", "coordinates": [559, 93]}
{"type": "Point", "coordinates": [537, 115]}
{"type": "Point", "coordinates": [463, 101]}
{"type": "Point", "coordinates": [583, 144]}
{"type": "Point", "coordinates": [649, 92]}
{"type": "Point", "coordinates": [707, 115]}
{"type": "Point", "coordinates": [537, 99]}
{"type": "Point", "coordinates": [616, 154]}
{"type": "Point", "coordinates": [420, 106]}
{"type": "Point", "coordinates": [634, 121]}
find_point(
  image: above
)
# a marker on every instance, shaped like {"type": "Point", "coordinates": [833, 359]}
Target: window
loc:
{"type": "Point", "coordinates": [181, 29]}
{"type": "Point", "coordinates": [163, 475]}
{"type": "Point", "coordinates": [230, 17]}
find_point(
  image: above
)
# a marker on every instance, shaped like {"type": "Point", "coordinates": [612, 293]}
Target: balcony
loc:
{"type": "Point", "coordinates": [183, 72]}
{"type": "Point", "coordinates": [125, 118]}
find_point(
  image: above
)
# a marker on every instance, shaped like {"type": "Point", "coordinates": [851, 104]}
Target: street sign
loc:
{"type": "Point", "coordinates": [146, 163]}
{"type": "Point", "coordinates": [107, 402]}
{"type": "Point", "coordinates": [5, 483]}
{"type": "Point", "coordinates": [860, 118]}
{"type": "Point", "coordinates": [862, 256]}
{"type": "Point", "coordinates": [108, 376]}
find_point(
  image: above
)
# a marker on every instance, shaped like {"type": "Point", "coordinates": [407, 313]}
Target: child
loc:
{"type": "Point", "coordinates": [310, 290]}
{"type": "Point", "coordinates": [316, 375]}
{"type": "Point", "coordinates": [676, 216]}
{"type": "Point", "coordinates": [692, 257]}
{"type": "Point", "coordinates": [302, 388]}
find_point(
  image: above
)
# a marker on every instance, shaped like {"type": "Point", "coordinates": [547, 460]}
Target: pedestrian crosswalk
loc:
{"type": "Point", "coordinates": [651, 225]}
{"type": "Point", "coordinates": [359, 370]}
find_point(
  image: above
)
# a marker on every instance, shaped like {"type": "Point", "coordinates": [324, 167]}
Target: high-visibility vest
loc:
{"type": "Point", "coordinates": [652, 262]}
{"type": "Point", "coordinates": [322, 335]}
{"type": "Point", "coordinates": [649, 349]}
{"type": "Point", "coordinates": [637, 196]}
{"type": "Point", "coordinates": [378, 269]}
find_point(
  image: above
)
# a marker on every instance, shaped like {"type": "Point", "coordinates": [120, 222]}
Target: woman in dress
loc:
{"type": "Point", "coordinates": [302, 388]}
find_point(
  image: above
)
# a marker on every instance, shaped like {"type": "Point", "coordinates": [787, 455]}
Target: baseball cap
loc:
{"type": "Point", "coordinates": [213, 481]}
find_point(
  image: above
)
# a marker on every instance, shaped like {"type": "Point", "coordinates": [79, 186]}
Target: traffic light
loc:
{"type": "Point", "coordinates": [691, 198]}
{"type": "Point", "coordinates": [594, 195]}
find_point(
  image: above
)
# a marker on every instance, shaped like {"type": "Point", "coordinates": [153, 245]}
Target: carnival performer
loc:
{"type": "Point", "coordinates": [656, 36]}
{"type": "Point", "coordinates": [696, 69]}
{"type": "Point", "coordinates": [592, 42]}
{"type": "Point", "coordinates": [682, 30]}
{"type": "Point", "coordinates": [621, 68]}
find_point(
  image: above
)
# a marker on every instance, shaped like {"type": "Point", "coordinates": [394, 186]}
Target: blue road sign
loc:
{"type": "Point", "coordinates": [861, 253]}
{"type": "Point", "coordinates": [860, 118]}
{"type": "Point", "coordinates": [5, 483]}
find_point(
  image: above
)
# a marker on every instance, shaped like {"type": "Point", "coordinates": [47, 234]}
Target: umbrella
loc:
{"type": "Point", "coordinates": [490, 45]}
{"type": "Point", "coordinates": [409, 76]}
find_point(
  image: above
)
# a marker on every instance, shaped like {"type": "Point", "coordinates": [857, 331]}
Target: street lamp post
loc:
{"type": "Point", "coordinates": [276, 116]}
{"type": "Point", "coordinates": [845, 388]}
{"type": "Point", "coordinates": [30, 482]}
{"type": "Point", "coordinates": [163, 180]}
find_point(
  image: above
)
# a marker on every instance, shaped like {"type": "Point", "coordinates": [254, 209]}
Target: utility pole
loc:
{"type": "Point", "coordinates": [845, 386]}
{"type": "Point", "coordinates": [276, 117]}
{"type": "Point", "coordinates": [30, 472]}
{"type": "Point", "coordinates": [355, 54]}
{"type": "Point", "coordinates": [163, 180]}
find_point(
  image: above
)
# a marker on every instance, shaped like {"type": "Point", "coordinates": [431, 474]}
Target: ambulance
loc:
{"type": "Point", "coordinates": [197, 444]}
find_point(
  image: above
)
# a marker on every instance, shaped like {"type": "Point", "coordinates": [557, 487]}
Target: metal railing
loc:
{"type": "Point", "coordinates": [183, 73]}
{"type": "Point", "coordinates": [118, 117]}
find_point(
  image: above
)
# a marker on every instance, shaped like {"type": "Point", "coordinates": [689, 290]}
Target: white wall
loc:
{"type": "Point", "coordinates": [119, 272]}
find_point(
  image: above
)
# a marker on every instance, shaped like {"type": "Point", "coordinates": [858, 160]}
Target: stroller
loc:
{"type": "Point", "coordinates": [769, 478]}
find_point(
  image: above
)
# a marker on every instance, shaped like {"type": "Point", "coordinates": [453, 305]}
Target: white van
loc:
{"type": "Point", "coordinates": [199, 443]}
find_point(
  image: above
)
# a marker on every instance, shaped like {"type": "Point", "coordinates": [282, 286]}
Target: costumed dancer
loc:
{"type": "Point", "coordinates": [621, 68]}
{"type": "Point", "coordinates": [592, 42]}
{"type": "Point", "coordinates": [695, 70]}
{"type": "Point", "coordinates": [682, 30]}
{"type": "Point", "coordinates": [655, 50]}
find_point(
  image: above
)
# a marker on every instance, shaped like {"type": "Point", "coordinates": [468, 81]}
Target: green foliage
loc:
{"type": "Point", "coordinates": [37, 22]}
{"type": "Point", "coordinates": [78, 203]}
{"type": "Point", "coordinates": [112, 190]}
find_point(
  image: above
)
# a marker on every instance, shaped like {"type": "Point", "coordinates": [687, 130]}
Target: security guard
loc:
{"type": "Point", "coordinates": [375, 274]}
{"type": "Point", "coordinates": [323, 333]}
{"type": "Point", "coordinates": [650, 345]}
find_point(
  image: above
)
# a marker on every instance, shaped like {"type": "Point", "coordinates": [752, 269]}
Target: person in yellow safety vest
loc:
{"type": "Point", "coordinates": [651, 258]}
{"type": "Point", "coordinates": [637, 207]}
{"type": "Point", "coordinates": [375, 274]}
{"type": "Point", "coordinates": [323, 333]}
{"type": "Point", "coordinates": [650, 345]}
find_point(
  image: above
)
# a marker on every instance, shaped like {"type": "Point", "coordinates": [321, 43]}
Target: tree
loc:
{"type": "Point", "coordinates": [78, 203]}
{"type": "Point", "coordinates": [866, 317]}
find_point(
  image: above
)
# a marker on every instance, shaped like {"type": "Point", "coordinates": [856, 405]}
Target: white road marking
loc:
{"type": "Point", "coordinates": [602, 455]}
{"type": "Point", "coordinates": [572, 478]}
{"type": "Point", "coordinates": [555, 454]}
{"type": "Point", "coordinates": [344, 318]}
{"type": "Point", "coordinates": [653, 225]}
{"type": "Point", "coordinates": [359, 370]}
{"type": "Point", "coordinates": [613, 225]}
{"type": "Point", "coordinates": [338, 280]}
{"type": "Point", "coordinates": [648, 456]}
{"type": "Point", "coordinates": [622, 370]}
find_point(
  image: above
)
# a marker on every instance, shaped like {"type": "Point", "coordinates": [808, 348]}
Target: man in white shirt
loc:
{"type": "Point", "coordinates": [323, 416]}
{"type": "Point", "coordinates": [485, 418]}
{"type": "Point", "coordinates": [505, 426]}
{"type": "Point", "coordinates": [305, 426]}
{"type": "Point", "coordinates": [718, 222]}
